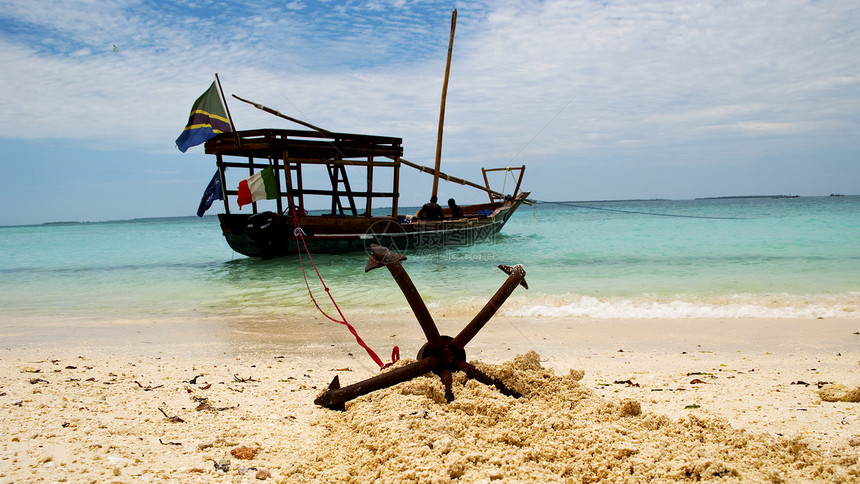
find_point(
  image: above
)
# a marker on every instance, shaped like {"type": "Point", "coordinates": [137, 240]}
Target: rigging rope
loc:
{"type": "Point", "coordinates": [656, 214]}
{"type": "Point", "coordinates": [299, 233]}
{"type": "Point", "coordinates": [544, 127]}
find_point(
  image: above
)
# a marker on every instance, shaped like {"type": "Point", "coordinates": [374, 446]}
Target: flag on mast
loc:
{"type": "Point", "coordinates": [208, 118]}
{"type": "Point", "coordinates": [260, 186]}
{"type": "Point", "coordinates": [213, 192]}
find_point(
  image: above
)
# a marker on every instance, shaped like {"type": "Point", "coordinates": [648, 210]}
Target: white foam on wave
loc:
{"type": "Point", "coordinates": [736, 306]}
{"type": "Point", "coordinates": [781, 306]}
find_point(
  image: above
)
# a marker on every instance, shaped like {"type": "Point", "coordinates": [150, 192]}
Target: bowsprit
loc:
{"type": "Point", "coordinates": [441, 355]}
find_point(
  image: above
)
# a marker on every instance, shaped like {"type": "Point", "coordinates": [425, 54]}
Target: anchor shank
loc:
{"type": "Point", "coordinates": [416, 303]}
{"type": "Point", "coordinates": [489, 309]}
{"type": "Point", "coordinates": [335, 397]}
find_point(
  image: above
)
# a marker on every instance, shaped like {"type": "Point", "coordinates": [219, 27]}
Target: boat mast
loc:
{"type": "Point", "coordinates": [220, 162]}
{"type": "Point", "coordinates": [442, 108]}
{"type": "Point", "coordinates": [227, 108]}
{"type": "Point", "coordinates": [281, 115]}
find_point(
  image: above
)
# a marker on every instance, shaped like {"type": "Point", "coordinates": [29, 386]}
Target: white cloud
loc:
{"type": "Point", "coordinates": [764, 127]}
{"type": "Point", "coordinates": [644, 77]}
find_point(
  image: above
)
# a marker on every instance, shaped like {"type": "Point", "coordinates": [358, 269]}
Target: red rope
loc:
{"type": "Point", "coordinates": [299, 233]}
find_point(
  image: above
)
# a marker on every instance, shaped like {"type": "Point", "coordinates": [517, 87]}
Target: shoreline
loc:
{"type": "Point", "coordinates": [91, 410]}
{"type": "Point", "coordinates": [561, 336]}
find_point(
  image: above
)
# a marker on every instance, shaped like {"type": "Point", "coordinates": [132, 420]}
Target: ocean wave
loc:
{"type": "Point", "coordinates": [763, 306]}
{"type": "Point", "coordinates": [553, 306]}
{"type": "Point", "coordinates": [770, 306]}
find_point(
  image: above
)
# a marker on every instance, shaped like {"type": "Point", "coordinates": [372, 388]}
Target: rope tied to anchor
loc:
{"type": "Point", "coordinates": [300, 235]}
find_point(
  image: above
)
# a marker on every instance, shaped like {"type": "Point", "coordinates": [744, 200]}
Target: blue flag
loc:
{"type": "Point", "coordinates": [213, 192]}
{"type": "Point", "coordinates": [208, 119]}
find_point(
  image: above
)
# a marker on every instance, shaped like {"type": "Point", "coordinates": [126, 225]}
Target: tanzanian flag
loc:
{"type": "Point", "coordinates": [208, 118]}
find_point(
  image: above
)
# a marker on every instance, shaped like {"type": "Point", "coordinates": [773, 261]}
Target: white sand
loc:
{"type": "Point", "coordinates": [93, 412]}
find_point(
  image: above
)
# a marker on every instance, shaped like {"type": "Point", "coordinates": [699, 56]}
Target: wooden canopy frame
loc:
{"type": "Point", "coordinates": [288, 151]}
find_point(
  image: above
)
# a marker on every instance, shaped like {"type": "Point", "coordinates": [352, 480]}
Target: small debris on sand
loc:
{"type": "Point", "coordinates": [839, 393]}
{"type": "Point", "coordinates": [243, 452]}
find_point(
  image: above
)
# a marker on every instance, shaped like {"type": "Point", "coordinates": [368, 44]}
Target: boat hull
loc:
{"type": "Point", "coordinates": [270, 235]}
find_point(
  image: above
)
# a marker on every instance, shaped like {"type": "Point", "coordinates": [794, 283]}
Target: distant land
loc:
{"type": "Point", "coordinates": [748, 196]}
{"type": "Point", "coordinates": [612, 201]}
{"type": "Point", "coordinates": [63, 223]}
{"type": "Point", "coordinates": [212, 216]}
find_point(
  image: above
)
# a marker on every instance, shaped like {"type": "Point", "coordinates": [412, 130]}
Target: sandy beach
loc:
{"type": "Point", "coordinates": [604, 400]}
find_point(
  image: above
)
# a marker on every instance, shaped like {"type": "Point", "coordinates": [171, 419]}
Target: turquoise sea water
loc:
{"type": "Point", "coordinates": [723, 258]}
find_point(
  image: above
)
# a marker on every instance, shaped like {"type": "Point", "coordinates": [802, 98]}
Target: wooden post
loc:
{"type": "Point", "coordinates": [278, 185]}
{"type": "Point", "coordinates": [288, 181]}
{"type": "Point", "coordinates": [395, 187]}
{"type": "Point", "coordinates": [519, 180]}
{"type": "Point", "coordinates": [250, 174]}
{"type": "Point", "coordinates": [300, 186]}
{"type": "Point", "coordinates": [442, 108]}
{"type": "Point", "coordinates": [221, 170]}
{"type": "Point", "coordinates": [369, 207]}
{"type": "Point", "coordinates": [487, 183]}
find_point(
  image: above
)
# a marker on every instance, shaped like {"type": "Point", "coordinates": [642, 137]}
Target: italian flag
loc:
{"type": "Point", "coordinates": [260, 186]}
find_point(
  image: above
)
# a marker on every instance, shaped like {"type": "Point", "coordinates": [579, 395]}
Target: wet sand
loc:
{"type": "Point", "coordinates": [733, 400]}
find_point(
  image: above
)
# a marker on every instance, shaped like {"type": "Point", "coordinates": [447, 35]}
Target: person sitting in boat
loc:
{"type": "Point", "coordinates": [431, 211]}
{"type": "Point", "coordinates": [456, 211]}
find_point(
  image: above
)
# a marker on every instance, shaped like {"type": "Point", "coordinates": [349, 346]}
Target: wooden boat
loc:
{"type": "Point", "coordinates": [357, 216]}
{"type": "Point", "coordinates": [301, 158]}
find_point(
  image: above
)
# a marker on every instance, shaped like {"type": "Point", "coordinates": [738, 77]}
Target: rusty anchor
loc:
{"type": "Point", "coordinates": [441, 355]}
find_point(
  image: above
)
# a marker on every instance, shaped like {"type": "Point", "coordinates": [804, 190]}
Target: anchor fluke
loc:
{"type": "Point", "coordinates": [382, 256]}
{"type": "Point", "coordinates": [519, 270]}
{"type": "Point", "coordinates": [323, 399]}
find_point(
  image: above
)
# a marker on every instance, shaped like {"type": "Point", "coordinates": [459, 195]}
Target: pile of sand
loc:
{"type": "Point", "coordinates": [839, 393]}
{"type": "Point", "coordinates": [559, 431]}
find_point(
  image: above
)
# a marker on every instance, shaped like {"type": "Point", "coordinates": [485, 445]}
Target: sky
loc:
{"type": "Point", "coordinates": [627, 99]}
